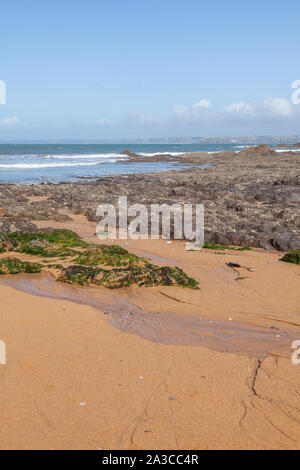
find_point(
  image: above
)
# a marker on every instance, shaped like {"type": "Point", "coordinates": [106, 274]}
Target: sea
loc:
{"type": "Point", "coordinates": [37, 163]}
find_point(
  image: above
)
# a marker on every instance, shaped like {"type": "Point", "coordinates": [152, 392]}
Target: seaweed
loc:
{"type": "Point", "coordinates": [11, 265]}
{"type": "Point", "coordinates": [146, 276]}
{"type": "Point", "coordinates": [110, 255]}
{"type": "Point", "coordinates": [215, 246]}
{"type": "Point", "coordinates": [58, 243]}
{"type": "Point", "coordinates": [62, 237]}
{"type": "Point", "coordinates": [127, 268]}
{"type": "Point", "coordinates": [292, 257]}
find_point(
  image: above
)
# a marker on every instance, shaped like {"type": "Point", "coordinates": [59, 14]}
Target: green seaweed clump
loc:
{"type": "Point", "coordinates": [58, 243]}
{"type": "Point", "coordinates": [214, 246]}
{"type": "Point", "coordinates": [127, 268]}
{"type": "Point", "coordinates": [292, 257]}
{"type": "Point", "coordinates": [5, 244]}
{"type": "Point", "coordinates": [146, 276]}
{"type": "Point", "coordinates": [110, 255]}
{"type": "Point", "coordinates": [46, 250]}
{"type": "Point", "coordinates": [11, 265]}
{"type": "Point", "coordinates": [58, 237]}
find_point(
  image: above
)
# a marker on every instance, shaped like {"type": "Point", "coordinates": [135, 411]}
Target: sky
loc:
{"type": "Point", "coordinates": [95, 69]}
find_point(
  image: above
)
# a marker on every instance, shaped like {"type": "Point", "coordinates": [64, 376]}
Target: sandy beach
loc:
{"type": "Point", "coordinates": [100, 377]}
{"type": "Point", "coordinates": [149, 231]}
{"type": "Point", "coordinates": [166, 364]}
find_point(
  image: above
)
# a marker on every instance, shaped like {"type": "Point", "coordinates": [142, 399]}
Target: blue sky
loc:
{"type": "Point", "coordinates": [95, 69]}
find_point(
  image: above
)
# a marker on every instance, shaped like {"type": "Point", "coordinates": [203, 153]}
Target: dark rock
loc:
{"type": "Point", "coordinates": [285, 242]}
{"type": "Point", "coordinates": [9, 226]}
{"type": "Point", "coordinates": [251, 198]}
{"type": "Point", "coordinates": [262, 150]}
{"type": "Point", "coordinates": [128, 152]}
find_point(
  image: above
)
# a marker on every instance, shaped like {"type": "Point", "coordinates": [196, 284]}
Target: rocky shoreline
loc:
{"type": "Point", "coordinates": [251, 198]}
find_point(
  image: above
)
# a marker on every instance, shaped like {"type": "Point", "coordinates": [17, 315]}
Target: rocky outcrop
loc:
{"type": "Point", "coordinates": [261, 150]}
{"type": "Point", "coordinates": [251, 198]}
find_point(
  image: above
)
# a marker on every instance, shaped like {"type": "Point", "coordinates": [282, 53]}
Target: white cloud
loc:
{"type": "Point", "coordinates": [193, 111]}
{"type": "Point", "coordinates": [9, 121]}
{"type": "Point", "coordinates": [237, 115]}
{"type": "Point", "coordinates": [278, 106]}
{"type": "Point", "coordinates": [242, 107]}
{"type": "Point", "coordinates": [202, 104]}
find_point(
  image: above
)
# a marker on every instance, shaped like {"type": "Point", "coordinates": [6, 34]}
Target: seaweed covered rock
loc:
{"type": "Point", "coordinates": [10, 226]}
{"type": "Point", "coordinates": [292, 257]}
{"type": "Point", "coordinates": [11, 265]}
{"type": "Point", "coordinates": [5, 244]}
{"type": "Point", "coordinates": [56, 243]}
{"type": "Point", "coordinates": [110, 255]}
{"type": "Point", "coordinates": [87, 261]}
{"type": "Point", "coordinates": [124, 277]}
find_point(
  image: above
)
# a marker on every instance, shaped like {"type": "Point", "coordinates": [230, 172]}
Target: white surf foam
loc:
{"type": "Point", "coordinates": [174, 154]}
{"type": "Point", "coordinates": [26, 166]}
{"type": "Point", "coordinates": [103, 156]}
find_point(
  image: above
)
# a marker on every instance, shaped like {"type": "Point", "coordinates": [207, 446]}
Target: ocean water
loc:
{"type": "Point", "coordinates": [36, 163]}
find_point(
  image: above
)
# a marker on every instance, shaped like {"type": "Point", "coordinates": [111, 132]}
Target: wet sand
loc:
{"type": "Point", "coordinates": [161, 326]}
{"type": "Point", "coordinates": [72, 381]}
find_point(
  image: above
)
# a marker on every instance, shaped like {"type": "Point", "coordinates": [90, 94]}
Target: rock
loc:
{"type": "Point", "coordinates": [128, 152]}
{"type": "Point", "coordinates": [282, 146]}
{"type": "Point", "coordinates": [91, 215]}
{"type": "Point", "coordinates": [9, 226]}
{"type": "Point", "coordinates": [21, 212]}
{"type": "Point", "coordinates": [285, 242]}
{"type": "Point", "coordinates": [251, 198]}
{"type": "Point", "coordinates": [61, 218]}
{"type": "Point", "coordinates": [262, 150]}
{"type": "Point", "coordinates": [38, 243]}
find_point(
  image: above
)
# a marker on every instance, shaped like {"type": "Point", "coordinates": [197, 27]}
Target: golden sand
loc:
{"type": "Point", "coordinates": [75, 381]}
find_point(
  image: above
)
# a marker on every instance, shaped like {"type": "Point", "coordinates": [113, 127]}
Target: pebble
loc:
{"type": "Point", "coordinates": [82, 403]}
